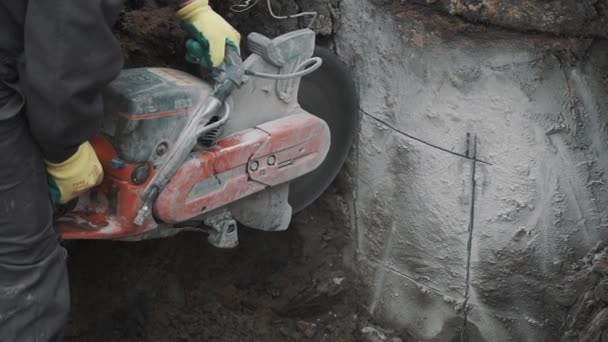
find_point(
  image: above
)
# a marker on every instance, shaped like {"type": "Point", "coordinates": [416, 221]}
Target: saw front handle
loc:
{"type": "Point", "coordinates": [230, 74]}
{"type": "Point", "coordinates": [228, 77]}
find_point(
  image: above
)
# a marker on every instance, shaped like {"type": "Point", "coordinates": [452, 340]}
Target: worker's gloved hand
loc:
{"type": "Point", "coordinates": [209, 33]}
{"type": "Point", "coordinates": [72, 177]}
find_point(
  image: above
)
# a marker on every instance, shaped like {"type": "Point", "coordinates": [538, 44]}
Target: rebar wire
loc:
{"type": "Point", "coordinates": [423, 141]}
{"type": "Point", "coordinates": [467, 283]}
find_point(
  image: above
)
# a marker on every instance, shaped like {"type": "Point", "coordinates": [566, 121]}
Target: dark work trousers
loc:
{"type": "Point", "coordinates": [34, 288]}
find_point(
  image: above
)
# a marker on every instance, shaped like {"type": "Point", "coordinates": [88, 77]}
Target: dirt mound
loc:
{"type": "Point", "coordinates": [151, 37]}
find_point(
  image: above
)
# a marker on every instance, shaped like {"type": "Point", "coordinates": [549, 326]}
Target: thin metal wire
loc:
{"type": "Point", "coordinates": [465, 304]}
{"type": "Point", "coordinates": [292, 16]}
{"type": "Point", "coordinates": [422, 141]}
{"type": "Point", "coordinates": [246, 5]}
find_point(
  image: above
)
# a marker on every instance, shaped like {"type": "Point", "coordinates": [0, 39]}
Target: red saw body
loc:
{"type": "Point", "coordinates": [238, 168]}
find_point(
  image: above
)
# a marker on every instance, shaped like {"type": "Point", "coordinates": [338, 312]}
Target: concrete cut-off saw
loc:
{"type": "Point", "coordinates": [260, 142]}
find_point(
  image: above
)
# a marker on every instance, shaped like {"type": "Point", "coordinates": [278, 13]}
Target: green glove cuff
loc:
{"type": "Point", "coordinates": [198, 48]}
{"type": "Point", "coordinates": [233, 44]}
{"type": "Point", "coordinates": [197, 54]}
{"type": "Point", "coordinates": [54, 191]}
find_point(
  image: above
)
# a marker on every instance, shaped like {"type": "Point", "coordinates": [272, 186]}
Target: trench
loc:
{"type": "Point", "coordinates": [282, 286]}
{"type": "Point", "coordinates": [389, 253]}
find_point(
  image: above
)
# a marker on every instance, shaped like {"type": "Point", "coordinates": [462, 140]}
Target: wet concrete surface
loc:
{"type": "Point", "coordinates": [432, 254]}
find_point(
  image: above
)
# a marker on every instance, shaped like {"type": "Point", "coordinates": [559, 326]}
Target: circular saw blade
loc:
{"type": "Point", "coordinates": [330, 94]}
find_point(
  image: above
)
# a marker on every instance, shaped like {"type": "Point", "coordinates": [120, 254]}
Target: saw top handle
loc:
{"type": "Point", "coordinates": [279, 52]}
{"type": "Point", "coordinates": [283, 51]}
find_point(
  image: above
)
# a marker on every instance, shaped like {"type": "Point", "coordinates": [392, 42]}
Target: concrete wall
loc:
{"type": "Point", "coordinates": [538, 106]}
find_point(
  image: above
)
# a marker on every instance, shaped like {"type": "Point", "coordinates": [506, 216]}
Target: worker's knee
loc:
{"type": "Point", "coordinates": [26, 233]}
{"type": "Point", "coordinates": [34, 299]}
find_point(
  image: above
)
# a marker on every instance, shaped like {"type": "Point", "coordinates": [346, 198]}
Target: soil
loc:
{"type": "Point", "coordinates": [287, 286]}
{"type": "Point", "coordinates": [151, 37]}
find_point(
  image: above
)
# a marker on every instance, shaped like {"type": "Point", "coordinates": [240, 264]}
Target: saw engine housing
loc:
{"type": "Point", "coordinates": [238, 172]}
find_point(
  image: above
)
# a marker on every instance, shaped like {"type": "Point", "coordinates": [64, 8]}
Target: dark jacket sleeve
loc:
{"type": "Point", "coordinates": [70, 55]}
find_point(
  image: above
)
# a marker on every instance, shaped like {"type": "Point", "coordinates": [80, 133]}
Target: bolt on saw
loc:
{"type": "Point", "coordinates": [256, 144]}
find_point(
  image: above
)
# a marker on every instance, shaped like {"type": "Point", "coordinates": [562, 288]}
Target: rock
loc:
{"type": "Point", "coordinates": [604, 336]}
{"type": "Point", "coordinates": [601, 291]}
{"type": "Point", "coordinates": [372, 334]}
{"type": "Point", "coordinates": [308, 329]}
{"type": "Point", "coordinates": [600, 263]}
{"type": "Point", "coordinates": [594, 331]}
{"type": "Point", "coordinates": [274, 292]}
{"type": "Point", "coordinates": [566, 17]}
{"type": "Point", "coordinates": [332, 286]}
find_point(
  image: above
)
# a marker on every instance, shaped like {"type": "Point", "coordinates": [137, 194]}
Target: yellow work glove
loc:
{"type": "Point", "coordinates": [74, 176]}
{"type": "Point", "coordinates": [209, 33]}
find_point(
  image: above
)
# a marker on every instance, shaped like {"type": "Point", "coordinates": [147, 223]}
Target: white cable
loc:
{"type": "Point", "coordinates": [303, 69]}
{"type": "Point", "coordinates": [301, 14]}
{"type": "Point", "coordinates": [245, 6]}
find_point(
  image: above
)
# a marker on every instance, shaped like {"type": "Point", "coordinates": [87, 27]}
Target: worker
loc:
{"type": "Point", "coordinates": [55, 59]}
